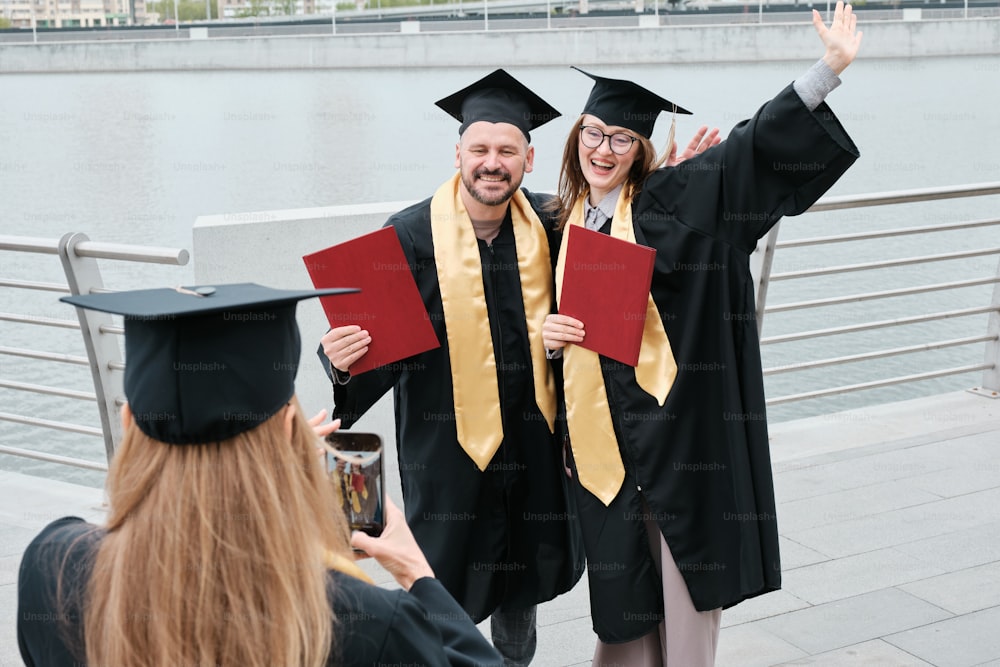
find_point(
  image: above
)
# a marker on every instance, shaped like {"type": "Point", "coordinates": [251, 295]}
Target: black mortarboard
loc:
{"type": "Point", "coordinates": [499, 98]}
{"type": "Point", "coordinates": [206, 363]}
{"type": "Point", "coordinates": [627, 104]}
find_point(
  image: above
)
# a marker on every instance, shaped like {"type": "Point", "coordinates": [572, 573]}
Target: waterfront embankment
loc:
{"type": "Point", "coordinates": [522, 48]}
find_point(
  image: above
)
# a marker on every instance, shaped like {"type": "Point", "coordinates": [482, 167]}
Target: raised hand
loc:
{"type": "Point", "coordinates": [702, 140]}
{"type": "Point", "coordinates": [842, 39]}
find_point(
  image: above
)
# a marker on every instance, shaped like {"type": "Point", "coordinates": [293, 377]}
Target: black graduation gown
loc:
{"type": "Point", "coordinates": [701, 462]}
{"type": "Point", "coordinates": [374, 626]}
{"type": "Point", "coordinates": [504, 537]}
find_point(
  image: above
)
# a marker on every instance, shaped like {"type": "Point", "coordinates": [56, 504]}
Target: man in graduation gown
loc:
{"type": "Point", "coordinates": [482, 474]}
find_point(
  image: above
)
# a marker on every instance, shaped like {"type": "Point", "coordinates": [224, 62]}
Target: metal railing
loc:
{"type": "Point", "coordinates": [475, 15]}
{"type": "Point", "coordinates": [79, 258]}
{"type": "Point", "coordinates": [763, 262]}
{"type": "Point", "coordinates": [78, 255]}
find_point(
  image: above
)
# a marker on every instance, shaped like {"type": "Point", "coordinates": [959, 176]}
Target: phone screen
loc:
{"type": "Point", "coordinates": [356, 470]}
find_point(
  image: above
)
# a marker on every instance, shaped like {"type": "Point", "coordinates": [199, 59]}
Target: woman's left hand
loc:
{"type": "Point", "coordinates": [322, 430]}
{"type": "Point", "coordinates": [702, 141]}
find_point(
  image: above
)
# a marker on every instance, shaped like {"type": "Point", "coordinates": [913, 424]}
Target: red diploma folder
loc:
{"type": "Point", "coordinates": [606, 286]}
{"type": "Point", "coordinates": [388, 306]}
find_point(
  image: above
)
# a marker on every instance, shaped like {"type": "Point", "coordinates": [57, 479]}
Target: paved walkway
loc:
{"type": "Point", "coordinates": [890, 537]}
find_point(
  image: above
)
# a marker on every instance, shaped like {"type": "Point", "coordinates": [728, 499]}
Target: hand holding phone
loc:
{"type": "Point", "coordinates": [396, 549]}
{"type": "Point", "coordinates": [354, 463]}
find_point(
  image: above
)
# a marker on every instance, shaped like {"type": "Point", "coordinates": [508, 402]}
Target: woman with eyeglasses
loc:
{"type": "Point", "coordinates": [670, 458]}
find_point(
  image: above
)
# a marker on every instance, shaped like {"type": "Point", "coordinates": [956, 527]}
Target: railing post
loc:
{"type": "Point", "coordinates": [83, 276]}
{"type": "Point", "coordinates": [760, 271]}
{"type": "Point", "coordinates": [991, 377]}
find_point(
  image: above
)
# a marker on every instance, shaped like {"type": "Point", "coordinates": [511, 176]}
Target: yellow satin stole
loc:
{"type": "Point", "coordinates": [588, 415]}
{"type": "Point", "coordinates": [470, 343]}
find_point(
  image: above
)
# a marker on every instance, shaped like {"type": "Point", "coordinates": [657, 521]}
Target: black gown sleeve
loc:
{"type": "Point", "coordinates": [777, 163]}
{"type": "Point", "coordinates": [424, 626]}
{"type": "Point", "coordinates": [430, 623]}
{"type": "Point", "coordinates": [49, 627]}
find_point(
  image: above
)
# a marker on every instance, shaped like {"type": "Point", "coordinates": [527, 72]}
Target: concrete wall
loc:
{"type": "Point", "coordinates": [227, 249]}
{"type": "Point", "coordinates": [688, 44]}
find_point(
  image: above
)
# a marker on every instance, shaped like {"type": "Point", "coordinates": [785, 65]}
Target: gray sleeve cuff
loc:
{"type": "Point", "coordinates": [815, 84]}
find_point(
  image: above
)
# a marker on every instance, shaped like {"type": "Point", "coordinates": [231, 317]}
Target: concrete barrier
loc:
{"type": "Point", "coordinates": [227, 249]}
{"type": "Point", "coordinates": [525, 48]}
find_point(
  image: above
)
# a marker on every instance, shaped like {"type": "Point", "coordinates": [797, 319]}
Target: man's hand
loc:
{"type": "Point", "coordinates": [345, 345]}
{"type": "Point", "coordinates": [559, 330]}
{"type": "Point", "coordinates": [841, 39]}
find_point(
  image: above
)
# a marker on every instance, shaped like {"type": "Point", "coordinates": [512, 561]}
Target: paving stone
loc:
{"type": "Point", "coordinates": [855, 575]}
{"type": "Point", "coordinates": [875, 653]}
{"type": "Point", "coordinates": [962, 641]}
{"type": "Point", "coordinates": [958, 481]}
{"type": "Point", "coordinates": [795, 555]}
{"type": "Point", "coordinates": [567, 643]}
{"type": "Point", "coordinates": [9, 653]}
{"type": "Point", "coordinates": [851, 621]}
{"type": "Point", "coordinates": [762, 606]}
{"type": "Point", "coordinates": [902, 526]}
{"type": "Point", "coordinates": [960, 549]}
{"type": "Point", "coordinates": [851, 504]}
{"type": "Point", "coordinates": [961, 592]}
{"type": "Point", "coordinates": [15, 539]}
{"type": "Point", "coordinates": [752, 646]}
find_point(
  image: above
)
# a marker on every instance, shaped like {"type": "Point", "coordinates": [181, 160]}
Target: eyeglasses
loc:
{"type": "Point", "coordinates": [619, 142]}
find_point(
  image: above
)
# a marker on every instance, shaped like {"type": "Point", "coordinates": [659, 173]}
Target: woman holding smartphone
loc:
{"type": "Point", "coordinates": [223, 544]}
{"type": "Point", "coordinates": [670, 458]}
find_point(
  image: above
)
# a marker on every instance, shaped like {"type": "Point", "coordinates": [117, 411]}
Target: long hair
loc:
{"type": "Point", "coordinates": [214, 553]}
{"type": "Point", "coordinates": [572, 184]}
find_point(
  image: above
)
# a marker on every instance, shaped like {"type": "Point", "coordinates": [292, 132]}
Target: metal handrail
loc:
{"type": "Point", "coordinates": [886, 233]}
{"type": "Point", "coordinates": [880, 324]}
{"type": "Point", "coordinates": [79, 257]}
{"type": "Point", "coordinates": [880, 354]}
{"type": "Point", "coordinates": [42, 321]}
{"type": "Point", "coordinates": [887, 264]}
{"type": "Point", "coordinates": [875, 384]}
{"type": "Point", "coordinates": [50, 391]}
{"type": "Point", "coordinates": [884, 294]}
{"type": "Point", "coordinates": [991, 367]}
{"type": "Point", "coordinates": [25, 284]}
{"type": "Point", "coordinates": [45, 356]}
{"type": "Point", "coordinates": [54, 458]}
{"type": "Point", "coordinates": [906, 196]}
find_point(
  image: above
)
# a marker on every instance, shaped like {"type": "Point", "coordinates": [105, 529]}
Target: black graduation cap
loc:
{"type": "Point", "coordinates": [206, 363]}
{"type": "Point", "coordinates": [499, 98]}
{"type": "Point", "coordinates": [627, 104]}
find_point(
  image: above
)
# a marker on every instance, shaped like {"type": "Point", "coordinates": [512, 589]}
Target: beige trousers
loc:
{"type": "Point", "coordinates": [686, 638]}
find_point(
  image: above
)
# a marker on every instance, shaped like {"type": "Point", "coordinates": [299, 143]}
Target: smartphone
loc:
{"type": "Point", "coordinates": [354, 463]}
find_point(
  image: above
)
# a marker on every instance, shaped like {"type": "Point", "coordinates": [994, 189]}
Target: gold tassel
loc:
{"type": "Point", "coordinates": [670, 134]}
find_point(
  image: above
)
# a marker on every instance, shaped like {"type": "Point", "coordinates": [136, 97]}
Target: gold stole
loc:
{"type": "Point", "coordinates": [588, 415]}
{"type": "Point", "coordinates": [466, 318]}
{"type": "Point", "coordinates": [345, 565]}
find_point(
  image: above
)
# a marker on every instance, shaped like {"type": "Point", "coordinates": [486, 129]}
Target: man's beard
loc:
{"type": "Point", "coordinates": [490, 199]}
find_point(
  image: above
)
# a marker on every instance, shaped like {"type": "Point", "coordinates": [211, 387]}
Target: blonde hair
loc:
{"type": "Point", "coordinates": [573, 185]}
{"type": "Point", "coordinates": [214, 553]}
